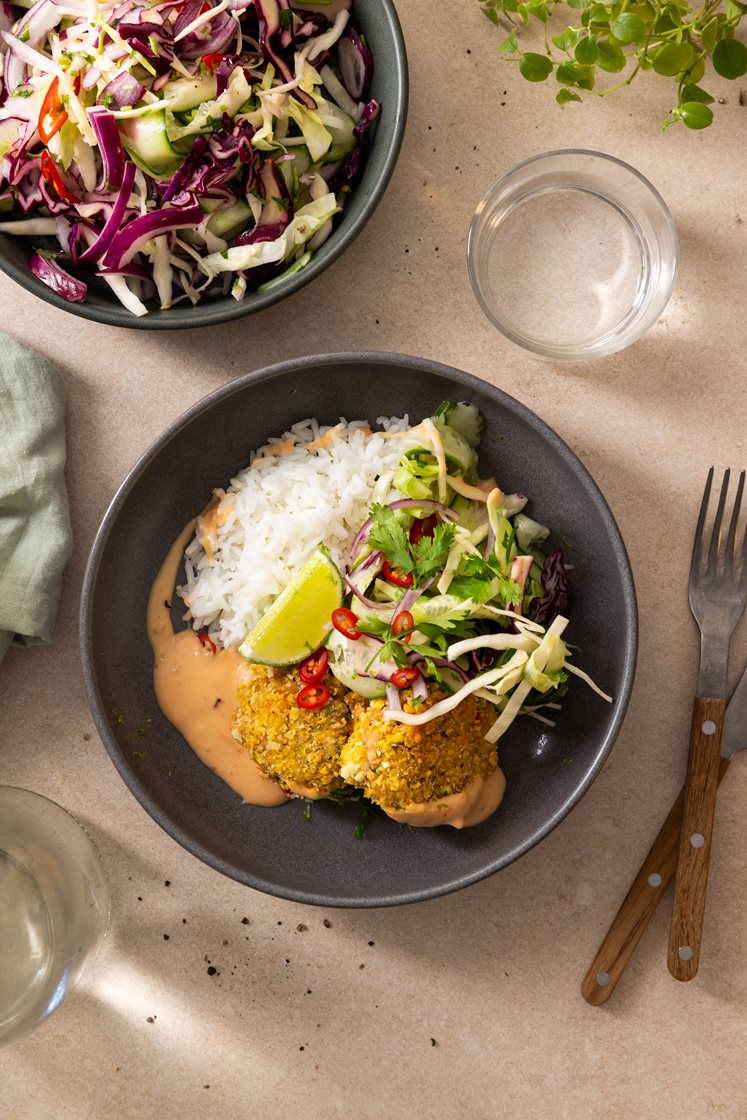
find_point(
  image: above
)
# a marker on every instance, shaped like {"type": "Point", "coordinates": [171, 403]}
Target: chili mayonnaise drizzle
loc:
{"type": "Point", "coordinates": [197, 690]}
{"type": "Point", "coordinates": [472, 806]}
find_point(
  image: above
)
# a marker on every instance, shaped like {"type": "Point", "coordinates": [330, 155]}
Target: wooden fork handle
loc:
{"type": "Point", "coordinates": [695, 838]}
{"type": "Point", "coordinates": [631, 920]}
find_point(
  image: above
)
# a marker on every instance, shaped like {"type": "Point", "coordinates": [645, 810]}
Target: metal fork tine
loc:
{"type": "Point", "coordinates": [718, 522]}
{"type": "Point", "coordinates": [731, 554]}
{"type": "Point", "coordinates": [698, 546]}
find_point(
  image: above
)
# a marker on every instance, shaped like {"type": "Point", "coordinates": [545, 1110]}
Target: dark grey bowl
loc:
{"type": "Point", "coordinates": [378, 21]}
{"type": "Point", "coordinates": [276, 850]}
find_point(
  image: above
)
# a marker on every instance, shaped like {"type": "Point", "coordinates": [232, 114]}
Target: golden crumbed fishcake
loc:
{"type": "Point", "coordinates": [296, 747]}
{"type": "Point", "coordinates": [397, 765]}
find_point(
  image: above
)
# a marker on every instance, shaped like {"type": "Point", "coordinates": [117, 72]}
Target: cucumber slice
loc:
{"type": "Point", "coordinates": [146, 141]}
{"type": "Point", "coordinates": [229, 222]}
{"type": "Point", "coordinates": [343, 665]}
{"type": "Point", "coordinates": [189, 93]}
{"type": "Point", "coordinates": [464, 419]}
{"type": "Point", "coordinates": [340, 127]}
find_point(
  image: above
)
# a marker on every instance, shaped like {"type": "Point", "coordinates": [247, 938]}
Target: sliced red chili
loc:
{"type": "Point", "coordinates": [313, 696]}
{"type": "Point", "coordinates": [212, 61]}
{"type": "Point", "coordinates": [403, 678]}
{"type": "Point", "coordinates": [53, 113]}
{"type": "Point", "coordinates": [313, 668]}
{"type": "Point", "coordinates": [402, 625]}
{"type": "Point", "coordinates": [53, 177]}
{"type": "Point", "coordinates": [208, 642]}
{"type": "Point", "coordinates": [346, 622]}
{"type": "Point", "coordinates": [422, 527]}
{"type": "Point", "coordinates": [395, 576]}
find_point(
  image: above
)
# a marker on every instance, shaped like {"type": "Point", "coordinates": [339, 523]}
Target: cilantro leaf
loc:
{"type": "Point", "coordinates": [479, 582]}
{"type": "Point", "coordinates": [473, 587]}
{"type": "Point", "coordinates": [431, 553]}
{"type": "Point", "coordinates": [388, 535]}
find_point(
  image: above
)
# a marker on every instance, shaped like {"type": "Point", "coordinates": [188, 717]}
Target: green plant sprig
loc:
{"type": "Point", "coordinates": [620, 37]}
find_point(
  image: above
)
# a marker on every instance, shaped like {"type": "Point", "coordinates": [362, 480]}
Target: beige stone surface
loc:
{"type": "Point", "coordinates": [468, 1006]}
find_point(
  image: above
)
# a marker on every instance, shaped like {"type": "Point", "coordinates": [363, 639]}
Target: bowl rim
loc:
{"type": "Point", "coordinates": [228, 309]}
{"type": "Point", "coordinates": [279, 370]}
{"type": "Point", "coordinates": [606, 344]}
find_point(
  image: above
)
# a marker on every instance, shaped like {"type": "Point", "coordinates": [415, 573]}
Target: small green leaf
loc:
{"type": "Point", "coordinates": [579, 5]}
{"type": "Point", "coordinates": [535, 67]}
{"type": "Point", "coordinates": [538, 9]}
{"type": "Point", "coordinates": [673, 58]}
{"type": "Point", "coordinates": [709, 35]}
{"type": "Point", "coordinates": [561, 41]}
{"type": "Point", "coordinates": [571, 74]}
{"type": "Point", "coordinates": [509, 45]}
{"type": "Point", "coordinates": [730, 59]}
{"type": "Point", "coordinates": [611, 58]}
{"type": "Point", "coordinates": [629, 28]}
{"type": "Point", "coordinates": [664, 22]}
{"type": "Point", "coordinates": [523, 10]}
{"type": "Point", "coordinates": [696, 71]}
{"type": "Point", "coordinates": [587, 51]}
{"type": "Point", "coordinates": [734, 12]}
{"type": "Point", "coordinates": [599, 16]}
{"type": "Point", "coordinates": [695, 114]}
{"type": "Point", "coordinates": [563, 96]}
{"type": "Point", "coordinates": [694, 93]}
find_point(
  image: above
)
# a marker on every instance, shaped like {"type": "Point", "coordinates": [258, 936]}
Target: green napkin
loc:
{"type": "Point", "coordinates": [35, 536]}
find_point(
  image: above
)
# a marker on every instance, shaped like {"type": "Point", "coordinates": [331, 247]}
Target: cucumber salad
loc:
{"type": "Point", "coordinates": [448, 591]}
{"type": "Point", "coordinates": [180, 150]}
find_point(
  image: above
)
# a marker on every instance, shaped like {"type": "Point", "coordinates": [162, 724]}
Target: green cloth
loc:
{"type": "Point", "coordinates": [35, 536]}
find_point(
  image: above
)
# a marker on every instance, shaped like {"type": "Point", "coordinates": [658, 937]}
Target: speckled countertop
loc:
{"type": "Point", "coordinates": [210, 1000]}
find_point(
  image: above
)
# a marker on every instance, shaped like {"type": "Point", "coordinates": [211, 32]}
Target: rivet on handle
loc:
{"type": "Point", "coordinates": [697, 840]}
{"type": "Point", "coordinates": [603, 979]}
{"type": "Point", "coordinates": [685, 953]}
{"type": "Point", "coordinates": [654, 879]}
{"type": "Point", "coordinates": [708, 727]}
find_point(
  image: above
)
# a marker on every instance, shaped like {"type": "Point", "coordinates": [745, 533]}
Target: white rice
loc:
{"type": "Point", "coordinates": [277, 512]}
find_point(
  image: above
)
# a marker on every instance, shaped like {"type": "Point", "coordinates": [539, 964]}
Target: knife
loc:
{"type": "Point", "coordinates": [657, 871]}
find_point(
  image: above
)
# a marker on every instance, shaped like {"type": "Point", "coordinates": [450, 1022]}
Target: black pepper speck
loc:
{"type": "Point", "coordinates": [212, 970]}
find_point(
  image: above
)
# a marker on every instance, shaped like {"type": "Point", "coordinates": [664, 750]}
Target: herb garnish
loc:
{"type": "Point", "coordinates": [422, 559]}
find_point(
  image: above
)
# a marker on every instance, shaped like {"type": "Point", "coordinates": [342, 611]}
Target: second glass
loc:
{"type": "Point", "coordinates": [54, 908]}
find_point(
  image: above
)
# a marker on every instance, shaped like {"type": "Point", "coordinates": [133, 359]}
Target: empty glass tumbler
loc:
{"type": "Point", "coordinates": [54, 908]}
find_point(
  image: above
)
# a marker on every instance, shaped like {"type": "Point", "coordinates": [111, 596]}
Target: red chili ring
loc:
{"type": "Point", "coordinates": [402, 626]}
{"type": "Point", "coordinates": [208, 642]}
{"type": "Point", "coordinates": [346, 622]}
{"type": "Point", "coordinates": [313, 668]}
{"type": "Point", "coordinates": [403, 678]}
{"type": "Point", "coordinates": [313, 696]}
{"type": "Point", "coordinates": [395, 576]}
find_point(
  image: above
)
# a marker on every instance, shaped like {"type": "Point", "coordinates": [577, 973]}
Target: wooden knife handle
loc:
{"type": "Point", "coordinates": [695, 839]}
{"type": "Point", "coordinates": [638, 907]}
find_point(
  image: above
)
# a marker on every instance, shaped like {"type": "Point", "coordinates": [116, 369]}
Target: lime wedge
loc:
{"type": "Point", "coordinates": [297, 623]}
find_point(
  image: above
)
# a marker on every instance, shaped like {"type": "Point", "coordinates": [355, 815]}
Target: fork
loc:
{"type": "Point", "coordinates": [717, 591]}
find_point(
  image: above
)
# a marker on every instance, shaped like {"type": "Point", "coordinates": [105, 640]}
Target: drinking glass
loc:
{"type": "Point", "coordinates": [54, 908]}
{"type": "Point", "coordinates": [572, 254]}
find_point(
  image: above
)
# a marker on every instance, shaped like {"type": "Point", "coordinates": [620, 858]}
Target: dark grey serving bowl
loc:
{"type": "Point", "coordinates": [378, 21]}
{"type": "Point", "coordinates": [276, 850]}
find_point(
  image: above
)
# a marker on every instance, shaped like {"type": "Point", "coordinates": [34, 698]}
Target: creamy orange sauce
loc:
{"type": "Point", "coordinates": [321, 443]}
{"type": "Point", "coordinates": [197, 689]}
{"type": "Point", "coordinates": [276, 450]}
{"type": "Point", "coordinates": [209, 522]}
{"type": "Point", "coordinates": [472, 806]}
